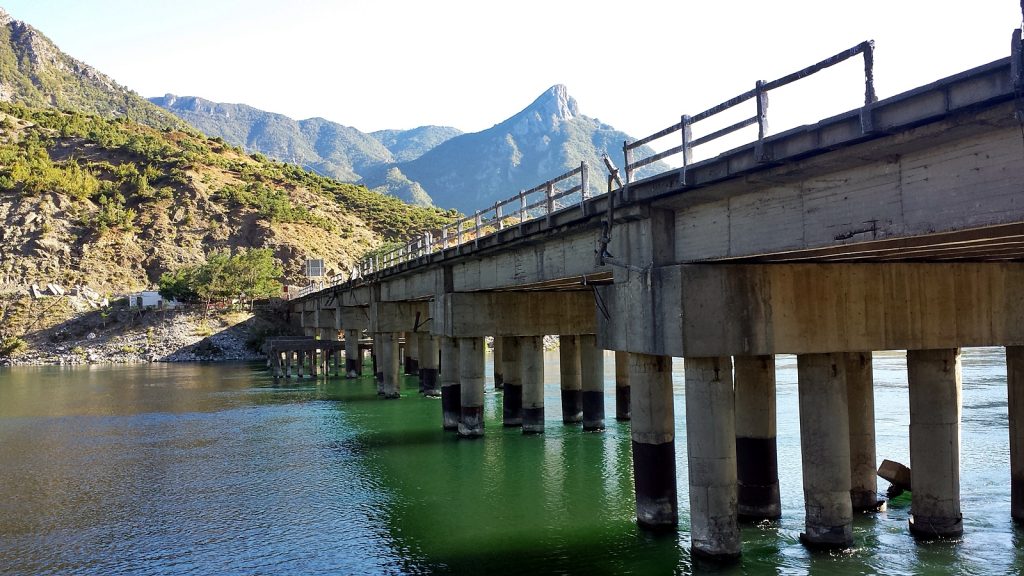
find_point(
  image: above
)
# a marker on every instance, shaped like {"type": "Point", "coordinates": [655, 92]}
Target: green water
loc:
{"type": "Point", "coordinates": [197, 469]}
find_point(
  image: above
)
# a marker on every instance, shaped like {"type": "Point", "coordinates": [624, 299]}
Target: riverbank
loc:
{"type": "Point", "coordinates": [126, 335]}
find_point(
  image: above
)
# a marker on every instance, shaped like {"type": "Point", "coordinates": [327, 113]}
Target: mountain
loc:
{"type": "Point", "coordinates": [547, 138]}
{"type": "Point", "coordinates": [34, 72]}
{"type": "Point", "coordinates": [406, 145]}
{"type": "Point", "coordinates": [325, 147]}
{"type": "Point", "coordinates": [114, 204]}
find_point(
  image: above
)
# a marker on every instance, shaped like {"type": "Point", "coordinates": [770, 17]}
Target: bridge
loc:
{"type": "Point", "coordinates": [898, 225]}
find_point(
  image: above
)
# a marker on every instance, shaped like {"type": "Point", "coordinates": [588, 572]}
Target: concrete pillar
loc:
{"type": "Point", "coordinates": [472, 357]}
{"type": "Point", "coordinates": [860, 397]}
{"type": "Point", "coordinates": [428, 364]}
{"type": "Point", "coordinates": [654, 445]}
{"type": "Point", "coordinates": [512, 402]}
{"type": "Point", "coordinates": [571, 379]}
{"type": "Point", "coordinates": [592, 371]}
{"type": "Point", "coordinates": [278, 364]}
{"type": "Point", "coordinates": [622, 385]}
{"type": "Point", "coordinates": [1015, 392]}
{"type": "Point", "coordinates": [935, 405]}
{"type": "Point", "coordinates": [531, 355]}
{"type": "Point", "coordinates": [412, 354]}
{"type": "Point", "coordinates": [499, 375]}
{"type": "Point", "coordinates": [378, 362]}
{"type": "Point", "coordinates": [288, 363]}
{"type": "Point", "coordinates": [314, 362]}
{"type": "Point", "coordinates": [353, 359]}
{"type": "Point", "coordinates": [825, 447]}
{"type": "Point", "coordinates": [711, 457]}
{"type": "Point", "coordinates": [451, 391]}
{"type": "Point", "coordinates": [757, 461]}
{"type": "Point", "coordinates": [392, 370]}
{"type": "Point", "coordinates": [300, 363]}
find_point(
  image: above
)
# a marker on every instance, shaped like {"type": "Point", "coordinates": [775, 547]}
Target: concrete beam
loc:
{"type": "Point", "coordinates": [718, 310]}
{"type": "Point", "coordinates": [399, 317]}
{"type": "Point", "coordinates": [355, 317]}
{"type": "Point", "coordinates": [464, 315]}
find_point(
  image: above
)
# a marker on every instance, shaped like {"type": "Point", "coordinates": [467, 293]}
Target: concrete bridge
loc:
{"type": "Point", "coordinates": [898, 225]}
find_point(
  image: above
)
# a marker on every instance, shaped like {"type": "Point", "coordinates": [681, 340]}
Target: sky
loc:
{"type": "Point", "coordinates": [635, 64]}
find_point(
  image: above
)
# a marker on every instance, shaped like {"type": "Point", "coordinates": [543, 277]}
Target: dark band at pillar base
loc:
{"type": "Point", "coordinates": [351, 367]}
{"type": "Point", "coordinates": [757, 475]}
{"type": "Point", "coordinates": [828, 537]}
{"type": "Point", "coordinates": [927, 527]}
{"type": "Point", "coordinates": [1017, 500]}
{"type": "Point", "coordinates": [572, 406]}
{"type": "Point", "coordinates": [512, 405]}
{"type": "Point", "coordinates": [593, 410]}
{"type": "Point", "coordinates": [622, 403]}
{"type": "Point", "coordinates": [533, 420]}
{"type": "Point", "coordinates": [407, 366]}
{"type": "Point", "coordinates": [428, 382]}
{"type": "Point", "coordinates": [451, 405]}
{"type": "Point", "coordinates": [654, 479]}
{"type": "Point", "coordinates": [866, 501]}
{"type": "Point", "coordinates": [471, 424]}
{"type": "Point", "coordinates": [499, 380]}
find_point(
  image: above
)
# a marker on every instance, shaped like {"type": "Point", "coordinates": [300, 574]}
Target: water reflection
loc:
{"type": "Point", "coordinates": [210, 469]}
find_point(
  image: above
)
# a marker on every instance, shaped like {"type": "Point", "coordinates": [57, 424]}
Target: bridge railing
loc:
{"type": "Point", "coordinates": [760, 95]}
{"type": "Point", "coordinates": [568, 189]}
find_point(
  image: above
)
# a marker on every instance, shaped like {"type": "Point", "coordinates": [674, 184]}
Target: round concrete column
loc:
{"type": "Point", "coordinates": [472, 357]}
{"type": "Point", "coordinates": [353, 360]}
{"type": "Point", "coordinates": [622, 385]}
{"type": "Point", "coordinates": [592, 371]}
{"type": "Point", "coordinates": [711, 457]}
{"type": "Point", "coordinates": [757, 461]}
{"type": "Point", "coordinates": [451, 391]}
{"type": "Point", "coordinates": [412, 354]}
{"type": "Point", "coordinates": [392, 369]}
{"type": "Point", "coordinates": [499, 374]}
{"type": "Point", "coordinates": [512, 402]}
{"type": "Point", "coordinates": [301, 363]}
{"type": "Point", "coordinates": [825, 447]}
{"type": "Point", "coordinates": [378, 361]}
{"type": "Point", "coordinates": [654, 447]}
{"type": "Point", "coordinates": [428, 364]}
{"type": "Point", "coordinates": [571, 379]}
{"type": "Point", "coordinates": [935, 404]}
{"type": "Point", "coordinates": [531, 351]}
{"type": "Point", "coordinates": [860, 396]}
{"type": "Point", "coordinates": [1015, 391]}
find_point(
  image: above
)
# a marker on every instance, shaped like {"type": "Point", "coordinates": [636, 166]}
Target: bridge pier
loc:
{"type": "Point", "coordinates": [353, 357]}
{"type": "Point", "coordinates": [412, 354]}
{"type": "Point", "coordinates": [378, 361]}
{"type": "Point", "coordinates": [471, 379]}
{"type": "Point", "coordinates": [711, 454]}
{"type": "Point", "coordinates": [512, 392]}
{"type": "Point", "coordinates": [621, 386]}
{"type": "Point", "coordinates": [653, 442]}
{"type": "Point", "coordinates": [825, 448]}
{"type": "Point", "coordinates": [391, 369]}
{"type": "Point", "coordinates": [592, 372]}
{"type": "Point", "coordinates": [499, 375]}
{"type": "Point", "coordinates": [571, 378]}
{"type": "Point", "coordinates": [935, 402]}
{"type": "Point", "coordinates": [451, 390]}
{"type": "Point", "coordinates": [757, 465]}
{"type": "Point", "coordinates": [1015, 391]}
{"type": "Point", "coordinates": [428, 364]}
{"type": "Point", "coordinates": [860, 397]}
{"type": "Point", "coordinates": [531, 351]}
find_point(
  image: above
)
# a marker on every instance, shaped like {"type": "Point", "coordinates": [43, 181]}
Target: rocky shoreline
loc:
{"type": "Point", "coordinates": [148, 336]}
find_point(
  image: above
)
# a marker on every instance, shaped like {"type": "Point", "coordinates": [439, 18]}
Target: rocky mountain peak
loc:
{"type": "Point", "coordinates": [556, 103]}
{"type": "Point", "coordinates": [5, 18]}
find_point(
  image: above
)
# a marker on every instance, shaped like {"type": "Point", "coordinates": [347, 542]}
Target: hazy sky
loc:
{"type": "Point", "coordinates": [635, 64]}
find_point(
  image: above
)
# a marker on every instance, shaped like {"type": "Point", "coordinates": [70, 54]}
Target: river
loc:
{"type": "Point", "coordinates": [217, 469]}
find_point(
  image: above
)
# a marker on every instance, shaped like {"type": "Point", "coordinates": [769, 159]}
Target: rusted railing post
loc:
{"type": "Point", "coordinates": [761, 96]}
{"type": "Point", "coordinates": [549, 200]}
{"type": "Point", "coordinates": [497, 214]}
{"type": "Point", "coordinates": [476, 229]}
{"type": "Point", "coordinates": [584, 187]}
{"type": "Point", "coordinates": [458, 240]}
{"type": "Point", "coordinates": [522, 207]}
{"type": "Point", "coordinates": [627, 156]}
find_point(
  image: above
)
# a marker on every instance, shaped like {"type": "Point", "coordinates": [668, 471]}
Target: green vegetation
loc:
{"type": "Point", "coordinates": [248, 275]}
{"type": "Point", "coordinates": [12, 346]}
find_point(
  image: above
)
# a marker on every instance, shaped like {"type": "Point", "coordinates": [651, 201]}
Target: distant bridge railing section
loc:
{"type": "Point", "coordinates": [543, 200]}
{"type": "Point", "coordinates": [566, 190]}
{"type": "Point", "coordinates": [760, 94]}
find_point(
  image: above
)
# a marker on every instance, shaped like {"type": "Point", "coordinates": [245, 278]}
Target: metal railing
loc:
{"type": "Point", "coordinates": [544, 200]}
{"type": "Point", "coordinates": [760, 95]}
